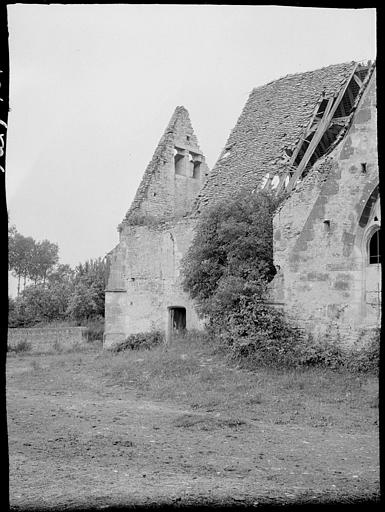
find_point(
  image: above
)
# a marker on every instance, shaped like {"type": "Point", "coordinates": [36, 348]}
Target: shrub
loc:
{"type": "Point", "coordinates": [140, 341]}
{"type": "Point", "coordinates": [231, 253]}
{"type": "Point", "coordinates": [367, 358]}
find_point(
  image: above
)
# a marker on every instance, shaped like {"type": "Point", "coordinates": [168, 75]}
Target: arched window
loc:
{"type": "Point", "coordinates": [374, 248]}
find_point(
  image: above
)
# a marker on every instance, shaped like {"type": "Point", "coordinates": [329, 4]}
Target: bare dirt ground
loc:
{"type": "Point", "coordinates": [78, 439]}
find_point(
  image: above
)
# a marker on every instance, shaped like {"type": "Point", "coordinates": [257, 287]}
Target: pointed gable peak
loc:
{"type": "Point", "coordinates": [177, 158]}
{"type": "Point", "coordinates": [181, 129]}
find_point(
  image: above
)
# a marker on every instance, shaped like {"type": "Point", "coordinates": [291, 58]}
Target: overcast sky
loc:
{"type": "Point", "coordinates": [92, 88]}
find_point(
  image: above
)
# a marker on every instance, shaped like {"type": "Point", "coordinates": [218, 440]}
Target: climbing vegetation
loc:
{"type": "Point", "coordinates": [227, 271]}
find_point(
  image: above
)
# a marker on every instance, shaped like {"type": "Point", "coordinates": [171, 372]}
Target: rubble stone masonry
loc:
{"type": "Point", "coordinates": [325, 278]}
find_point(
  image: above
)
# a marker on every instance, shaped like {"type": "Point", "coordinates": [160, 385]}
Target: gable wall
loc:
{"type": "Point", "coordinates": [146, 264]}
{"type": "Point", "coordinates": [323, 276]}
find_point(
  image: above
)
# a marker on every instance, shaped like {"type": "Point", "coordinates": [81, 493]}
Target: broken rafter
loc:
{"type": "Point", "coordinates": [332, 106]}
{"type": "Point", "coordinates": [315, 140]}
{"type": "Point", "coordinates": [358, 81]}
{"type": "Point", "coordinates": [351, 97]}
{"type": "Point", "coordinates": [340, 121]}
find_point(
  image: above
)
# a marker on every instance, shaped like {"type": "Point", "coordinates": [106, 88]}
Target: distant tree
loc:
{"type": "Point", "coordinates": [20, 255]}
{"type": "Point", "coordinates": [44, 257]}
{"type": "Point", "coordinates": [83, 303]}
{"type": "Point", "coordinates": [92, 276]}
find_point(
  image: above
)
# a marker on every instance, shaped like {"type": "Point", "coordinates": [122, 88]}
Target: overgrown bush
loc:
{"type": "Point", "coordinates": [263, 336]}
{"type": "Point", "coordinates": [231, 254]}
{"type": "Point", "coordinates": [140, 341]}
{"type": "Point", "coordinates": [366, 358]}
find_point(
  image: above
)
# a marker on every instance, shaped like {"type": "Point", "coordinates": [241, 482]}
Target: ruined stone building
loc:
{"type": "Point", "coordinates": [311, 135]}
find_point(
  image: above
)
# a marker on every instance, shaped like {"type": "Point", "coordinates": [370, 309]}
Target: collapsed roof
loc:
{"type": "Point", "coordinates": [284, 128]}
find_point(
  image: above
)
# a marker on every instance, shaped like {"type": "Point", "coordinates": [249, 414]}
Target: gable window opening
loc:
{"type": "Point", "coordinates": [179, 164]}
{"type": "Point", "coordinates": [374, 248]}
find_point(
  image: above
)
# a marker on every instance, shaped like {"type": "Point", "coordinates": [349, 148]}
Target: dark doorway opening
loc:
{"type": "Point", "coordinates": [177, 319]}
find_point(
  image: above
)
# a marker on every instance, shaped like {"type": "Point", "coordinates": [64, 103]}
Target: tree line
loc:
{"type": "Point", "coordinates": [48, 291]}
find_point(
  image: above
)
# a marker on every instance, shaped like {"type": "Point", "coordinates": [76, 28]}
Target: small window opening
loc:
{"type": "Point", "coordinates": [188, 138]}
{"type": "Point", "coordinates": [374, 248]}
{"type": "Point", "coordinates": [327, 225]}
{"type": "Point", "coordinates": [363, 167]}
{"type": "Point", "coordinates": [375, 219]}
{"type": "Point", "coordinates": [179, 164]}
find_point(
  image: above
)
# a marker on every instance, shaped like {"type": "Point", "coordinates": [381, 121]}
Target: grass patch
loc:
{"type": "Point", "coordinates": [193, 372]}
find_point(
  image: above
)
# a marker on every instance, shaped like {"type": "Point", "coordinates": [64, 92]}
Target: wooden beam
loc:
{"type": "Point", "coordinates": [351, 97]}
{"type": "Point", "coordinates": [317, 136]}
{"type": "Point", "coordinates": [340, 120]}
{"type": "Point", "coordinates": [326, 119]}
{"type": "Point", "coordinates": [358, 81]}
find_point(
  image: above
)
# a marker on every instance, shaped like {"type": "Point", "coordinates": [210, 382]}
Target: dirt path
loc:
{"type": "Point", "coordinates": [74, 442]}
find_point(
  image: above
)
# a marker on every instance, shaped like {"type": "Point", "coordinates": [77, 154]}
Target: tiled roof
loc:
{"type": "Point", "coordinates": [272, 120]}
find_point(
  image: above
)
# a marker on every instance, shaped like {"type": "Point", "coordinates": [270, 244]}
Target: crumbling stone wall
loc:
{"type": "Point", "coordinates": [163, 192]}
{"type": "Point", "coordinates": [45, 339]}
{"type": "Point", "coordinates": [325, 279]}
{"type": "Point", "coordinates": [144, 278]}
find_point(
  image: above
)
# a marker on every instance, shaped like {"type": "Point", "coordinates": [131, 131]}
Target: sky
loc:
{"type": "Point", "coordinates": [93, 87]}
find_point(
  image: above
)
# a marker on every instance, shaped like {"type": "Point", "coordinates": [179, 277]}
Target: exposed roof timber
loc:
{"type": "Point", "coordinates": [342, 108]}
{"type": "Point", "coordinates": [357, 80]}
{"type": "Point", "coordinates": [340, 121]}
{"type": "Point", "coordinates": [312, 126]}
{"type": "Point", "coordinates": [317, 136]}
{"type": "Point", "coordinates": [316, 125]}
{"type": "Point", "coordinates": [323, 125]}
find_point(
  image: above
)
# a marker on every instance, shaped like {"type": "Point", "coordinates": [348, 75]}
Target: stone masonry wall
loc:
{"type": "Point", "coordinates": [163, 193]}
{"type": "Point", "coordinates": [148, 265]}
{"type": "Point", "coordinates": [45, 339]}
{"type": "Point", "coordinates": [324, 277]}
{"type": "Point", "coordinates": [144, 278]}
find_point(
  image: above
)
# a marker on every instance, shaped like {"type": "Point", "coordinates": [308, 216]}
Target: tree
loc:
{"type": "Point", "coordinates": [44, 258]}
{"type": "Point", "coordinates": [87, 300]}
{"type": "Point", "coordinates": [228, 267]}
{"type": "Point", "coordinates": [20, 255]}
{"type": "Point", "coordinates": [232, 252]}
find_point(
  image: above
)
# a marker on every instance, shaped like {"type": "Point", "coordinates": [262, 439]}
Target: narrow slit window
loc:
{"type": "Point", "coordinates": [374, 248]}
